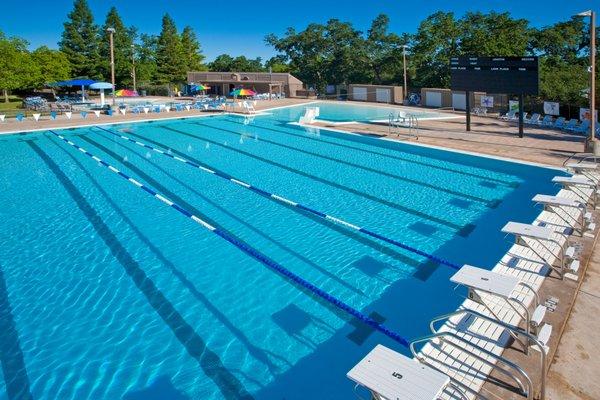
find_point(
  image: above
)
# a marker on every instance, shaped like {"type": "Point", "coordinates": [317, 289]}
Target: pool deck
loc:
{"type": "Point", "coordinates": [11, 125]}
{"type": "Point", "coordinates": [489, 136]}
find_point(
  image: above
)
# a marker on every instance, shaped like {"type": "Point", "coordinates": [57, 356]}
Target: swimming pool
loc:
{"type": "Point", "coordinates": [107, 293]}
{"type": "Point", "coordinates": [339, 112]}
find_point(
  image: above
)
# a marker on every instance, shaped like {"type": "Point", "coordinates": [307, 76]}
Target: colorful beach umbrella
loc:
{"type": "Point", "coordinates": [126, 93]}
{"type": "Point", "coordinates": [243, 92]}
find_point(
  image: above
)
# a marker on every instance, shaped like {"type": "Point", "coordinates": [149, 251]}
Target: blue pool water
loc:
{"type": "Point", "coordinates": [106, 293]}
{"type": "Point", "coordinates": [344, 112]}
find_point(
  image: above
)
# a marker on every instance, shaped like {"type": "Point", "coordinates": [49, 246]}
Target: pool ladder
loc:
{"type": "Point", "coordinates": [410, 121]}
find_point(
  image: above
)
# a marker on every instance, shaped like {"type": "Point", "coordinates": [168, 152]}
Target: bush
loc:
{"type": "Point", "coordinates": [154, 90]}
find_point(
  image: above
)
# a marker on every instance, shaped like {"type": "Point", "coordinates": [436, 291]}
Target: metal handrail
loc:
{"type": "Point", "coordinates": [441, 335]}
{"type": "Point", "coordinates": [586, 154]}
{"type": "Point", "coordinates": [532, 339]}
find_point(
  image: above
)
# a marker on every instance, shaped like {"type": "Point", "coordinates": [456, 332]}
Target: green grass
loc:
{"type": "Point", "coordinates": [12, 107]}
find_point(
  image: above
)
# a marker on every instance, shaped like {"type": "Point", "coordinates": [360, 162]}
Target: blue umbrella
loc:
{"type": "Point", "coordinates": [76, 82]}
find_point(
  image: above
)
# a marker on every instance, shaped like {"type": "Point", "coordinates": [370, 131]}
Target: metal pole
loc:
{"type": "Point", "coordinates": [521, 112]}
{"type": "Point", "coordinates": [111, 31]}
{"type": "Point", "coordinates": [593, 76]}
{"type": "Point", "coordinates": [468, 107]}
{"type": "Point", "coordinates": [133, 67]}
{"type": "Point", "coordinates": [404, 67]}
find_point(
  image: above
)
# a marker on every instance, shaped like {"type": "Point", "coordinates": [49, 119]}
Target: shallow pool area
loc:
{"type": "Point", "coordinates": [343, 112]}
{"type": "Point", "coordinates": [108, 293]}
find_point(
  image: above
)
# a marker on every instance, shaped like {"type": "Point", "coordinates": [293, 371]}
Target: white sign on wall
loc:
{"type": "Point", "coordinates": [584, 113]}
{"type": "Point", "coordinates": [513, 105]}
{"type": "Point", "coordinates": [551, 108]}
{"type": "Point", "coordinates": [487, 101]}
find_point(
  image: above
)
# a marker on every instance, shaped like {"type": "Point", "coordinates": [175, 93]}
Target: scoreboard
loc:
{"type": "Point", "coordinates": [509, 75]}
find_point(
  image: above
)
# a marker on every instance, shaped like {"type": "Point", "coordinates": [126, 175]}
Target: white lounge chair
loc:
{"type": "Point", "coordinates": [534, 120]}
{"type": "Point", "coordinates": [571, 124]}
{"type": "Point", "coordinates": [559, 123]}
{"type": "Point", "coordinates": [547, 121]}
{"type": "Point", "coordinates": [581, 128]}
{"type": "Point", "coordinates": [509, 116]}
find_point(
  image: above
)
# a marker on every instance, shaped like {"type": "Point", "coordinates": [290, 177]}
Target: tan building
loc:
{"type": "Point", "coordinates": [222, 83]}
{"type": "Point", "coordinates": [446, 98]}
{"type": "Point", "coordinates": [376, 93]}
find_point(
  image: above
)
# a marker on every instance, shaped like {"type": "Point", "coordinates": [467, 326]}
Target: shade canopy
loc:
{"type": "Point", "coordinates": [75, 82]}
{"type": "Point", "coordinates": [101, 85]}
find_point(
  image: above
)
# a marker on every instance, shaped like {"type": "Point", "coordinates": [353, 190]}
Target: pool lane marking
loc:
{"type": "Point", "coordinates": [292, 203]}
{"type": "Point", "coordinates": [393, 157]}
{"type": "Point", "coordinates": [489, 203]}
{"type": "Point", "coordinates": [265, 260]}
{"type": "Point", "coordinates": [463, 230]}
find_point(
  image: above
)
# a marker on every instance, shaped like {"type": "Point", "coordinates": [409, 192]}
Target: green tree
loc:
{"type": "Point", "coordinates": [223, 62]}
{"type": "Point", "coordinates": [342, 42]}
{"type": "Point", "coordinates": [191, 50]}
{"type": "Point", "coordinates": [52, 66]}
{"type": "Point", "coordinates": [226, 63]}
{"type": "Point", "coordinates": [145, 63]}
{"type": "Point", "coordinates": [17, 69]}
{"type": "Point", "coordinates": [277, 64]}
{"type": "Point", "coordinates": [382, 52]}
{"type": "Point", "coordinates": [493, 34]}
{"type": "Point", "coordinates": [305, 53]}
{"type": "Point", "coordinates": [123, 40]}
{"type": "Point", "coordinates": [436, 41]}
{"type": "Point", "coordinates": [563, 74]}
{"type": "Point", "coordinates": [170, 58]}
{"type": "Point", "coordinates": [80, 41]}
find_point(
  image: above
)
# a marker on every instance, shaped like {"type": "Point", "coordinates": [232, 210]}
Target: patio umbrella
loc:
{"type": "Point", "coordinates": [242, 92]}
{"type": "Point", "coordinates": [126, 93]}
{"type": "Point", "coordinates": [101, 86]}
{"type": "Point", "coordinates": [202, 87]}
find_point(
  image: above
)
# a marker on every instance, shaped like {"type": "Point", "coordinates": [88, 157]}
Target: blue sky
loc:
{"type": "Point", "coordinates": [242, 32]}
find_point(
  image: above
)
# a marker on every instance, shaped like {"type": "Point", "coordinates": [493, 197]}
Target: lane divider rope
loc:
{"type": "Point", "coordinates": [288, 202]}
{"type": "Point", "coordinates": [265, 260]}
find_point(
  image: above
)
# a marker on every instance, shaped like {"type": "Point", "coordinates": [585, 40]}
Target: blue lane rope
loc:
{"type": "Point", "coordinates": [245, 248]}
{"type": "Point", "coordinates": [286, 201]}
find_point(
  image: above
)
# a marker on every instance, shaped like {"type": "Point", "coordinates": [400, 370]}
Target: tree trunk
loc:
{"type": "Point", "coordinates": [5, 95]}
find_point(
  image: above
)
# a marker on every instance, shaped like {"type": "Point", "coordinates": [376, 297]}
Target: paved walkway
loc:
{"type": "Point", "coordinates": [574, 374]}
{"type": "Point", "coordinates": [488, 136]}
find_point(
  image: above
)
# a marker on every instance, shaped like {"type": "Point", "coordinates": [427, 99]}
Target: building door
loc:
{"type": "Point", "coordinates": [433, 99]}
{"type": "Point", "coordinates": [383, 95]}
{"type": "Point", "coordinates": [459, 101]}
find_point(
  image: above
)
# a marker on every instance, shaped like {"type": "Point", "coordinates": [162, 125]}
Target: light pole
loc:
{"type": "Point", "coordinates": [592, 93]}
{"type": "Point", "coordinates": [404, 67]}
{"type": "Point", "coordinates": [133, 66]}
{"type": "Point", "coordinates": [111, 32]}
